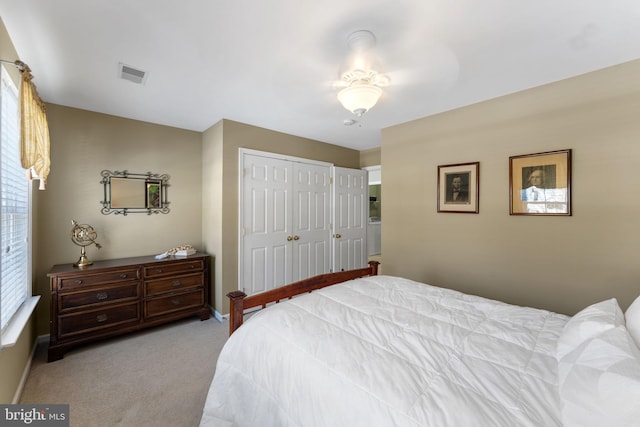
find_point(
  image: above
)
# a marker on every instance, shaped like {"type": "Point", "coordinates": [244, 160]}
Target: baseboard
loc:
{"type": "Point", "coordinates": [219, 317]}
{"type": "Point", "coordinates": [25, 374]}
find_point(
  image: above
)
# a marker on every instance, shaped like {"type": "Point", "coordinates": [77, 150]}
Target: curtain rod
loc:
{"type": "Point", "coordinates": [19, 64]}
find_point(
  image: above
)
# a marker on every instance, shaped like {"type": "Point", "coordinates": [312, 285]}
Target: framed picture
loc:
{"type": "Point", "coordinates": [540, 184]}
{"type": "Point", "coordinates": [458, 188]}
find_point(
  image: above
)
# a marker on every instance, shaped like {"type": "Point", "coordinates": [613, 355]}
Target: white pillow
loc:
{"type": "Point", "coordinates": [587, 323]}
{"type": "Point", "coordinates": [599, 381]}
{"type": "Point", "coordinates": [632, 319]}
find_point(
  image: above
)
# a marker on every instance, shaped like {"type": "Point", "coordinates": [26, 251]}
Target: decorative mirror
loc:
{"type": "Point", "coordinates": [126, 193]}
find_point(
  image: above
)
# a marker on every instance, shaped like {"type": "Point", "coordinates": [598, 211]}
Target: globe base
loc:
{"type": "Point", "coordinates": [83, 261]}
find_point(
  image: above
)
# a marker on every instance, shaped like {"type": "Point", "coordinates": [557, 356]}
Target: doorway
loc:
{"type": "Point", "coordinates": [374, 226]}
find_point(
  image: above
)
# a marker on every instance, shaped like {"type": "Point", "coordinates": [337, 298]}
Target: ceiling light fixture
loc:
{"type": "Point", "coordinates": [363, 85]}
{"type": "Point", "coordinates": [363, 90]}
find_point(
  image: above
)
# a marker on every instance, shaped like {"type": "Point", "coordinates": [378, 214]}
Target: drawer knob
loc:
{"type": "Point", "coordinates": [101, 318]}
{"type": "Point", "coordinates": [102, 295]}
{"type": "Point", "coordinates": [123, 275]}
{"type": "Point", "coordinates": [175, 301]}
{"type": "Point", "coordinates": [158, 270]}
{"type": "Point", "coordinates": [191, 266]}
{"type": "Point", "coordinates": [78, 282]}
{"type": "Point", "coordinates": [175, 283]}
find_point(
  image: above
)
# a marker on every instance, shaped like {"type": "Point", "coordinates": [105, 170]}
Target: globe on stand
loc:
{"type": "Point", "coordinates": [83, 235]}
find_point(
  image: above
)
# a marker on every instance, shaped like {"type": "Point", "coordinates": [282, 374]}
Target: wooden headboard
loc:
{"type": "Point", "coordinates": [240, 301]}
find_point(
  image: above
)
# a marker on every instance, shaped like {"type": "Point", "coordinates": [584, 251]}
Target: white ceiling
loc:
{"type": "Point", "coordinates": [272, 63]}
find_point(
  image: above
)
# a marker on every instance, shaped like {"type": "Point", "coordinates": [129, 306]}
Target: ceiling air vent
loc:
{"type": "Point", "coordinates": [133, 75]}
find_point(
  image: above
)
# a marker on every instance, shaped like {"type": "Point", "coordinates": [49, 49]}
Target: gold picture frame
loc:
{"type": "Point", "coordinates": [540, 184]}
{"type": "Point", "coordinates": [459, 188]}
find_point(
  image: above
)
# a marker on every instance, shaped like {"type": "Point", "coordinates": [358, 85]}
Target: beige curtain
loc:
{"type": "Point", "coordinates": [34, 129]}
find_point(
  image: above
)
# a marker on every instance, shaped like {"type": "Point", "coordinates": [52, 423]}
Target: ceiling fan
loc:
{"type": "Point", "coordinates": [409, 63]}
{"type": "Point", "coordinates": [361, 83]}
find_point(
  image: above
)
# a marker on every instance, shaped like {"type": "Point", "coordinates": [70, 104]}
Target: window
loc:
{"type": "Point", "coordinates": [16, 303]}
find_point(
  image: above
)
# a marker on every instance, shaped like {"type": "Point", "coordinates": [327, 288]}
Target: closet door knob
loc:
{"type": "Point", "coordinates": [289, 238]}
{"type": "Point", "coordinates": [296, 237]}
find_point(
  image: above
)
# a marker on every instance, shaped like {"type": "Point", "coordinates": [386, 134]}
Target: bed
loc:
{"type": "Point", "coordinates": [370, 350]}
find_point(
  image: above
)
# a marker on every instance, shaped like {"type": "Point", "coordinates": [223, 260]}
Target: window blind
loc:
{"type": "Point", "coordinates": [15, 214]}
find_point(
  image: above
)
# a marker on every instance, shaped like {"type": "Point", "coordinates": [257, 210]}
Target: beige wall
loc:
{"type": "Point", "coordinates": [84, 143]}
{"type": "Point", "coordinates": [212, 205]}
{"type": "Point", "coordinates": [557, 263]}
{"type": "Point", "coordinates": [224, 213]}
{"type": "Point", "coordinates": [371, 157]}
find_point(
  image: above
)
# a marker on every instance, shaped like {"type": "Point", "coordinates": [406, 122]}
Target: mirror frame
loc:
{"type": "Point", "coordinates": [152, 178]}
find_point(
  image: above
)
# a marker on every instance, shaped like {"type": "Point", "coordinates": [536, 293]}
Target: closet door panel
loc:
{"type": "Point", "coordinates": [266, 224]}
{"type": "Point", "coordinates": [350, 218]}
{"type": "Point", "coordinates": [311, 219]}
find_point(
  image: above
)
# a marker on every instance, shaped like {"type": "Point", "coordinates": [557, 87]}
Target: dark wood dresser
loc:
{"type": "Point", "coordinates": [113, 297]}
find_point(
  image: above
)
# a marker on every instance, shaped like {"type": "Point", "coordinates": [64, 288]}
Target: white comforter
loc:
{"type": "Point", "coordinates": [387, 351]}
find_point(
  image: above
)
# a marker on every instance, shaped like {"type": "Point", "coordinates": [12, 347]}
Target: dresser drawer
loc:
{"type": "Point", "coordinates": [173, 302]}
{"type": "Point", "coordinates": [171, 284]}
{"type": "Point", "coordinates": [71, 300]}
{"type": "Point", "coordinates": [94, 320]}
{"type": "Point", "coordinates": [112, 276]}
{"type": "Point", "coordinates": [162, 269]}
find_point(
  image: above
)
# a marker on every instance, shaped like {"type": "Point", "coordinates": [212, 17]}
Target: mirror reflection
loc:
{"type": "Point", "coordinates": [126, 193]}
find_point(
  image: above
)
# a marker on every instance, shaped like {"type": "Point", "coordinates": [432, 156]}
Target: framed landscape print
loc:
{"type": "Point", "coordinates": [540, 183]}
{"type": "Point", "coordinates": [458, 188]}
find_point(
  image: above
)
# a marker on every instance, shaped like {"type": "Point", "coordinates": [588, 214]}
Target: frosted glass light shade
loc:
{"type": "Point", "coordinates": [359, 98]}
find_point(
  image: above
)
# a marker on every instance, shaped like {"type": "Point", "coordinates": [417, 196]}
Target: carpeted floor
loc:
{"type": "Point", "coordinates": [157, 377]}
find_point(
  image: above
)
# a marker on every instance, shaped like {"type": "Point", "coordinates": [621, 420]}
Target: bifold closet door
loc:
{"type": "Point", "coordinates": [285, 222]}
{"type": "Point", "coordinates": [266, 230]}
{"type": "Point", "coordinates": [311, 220]}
